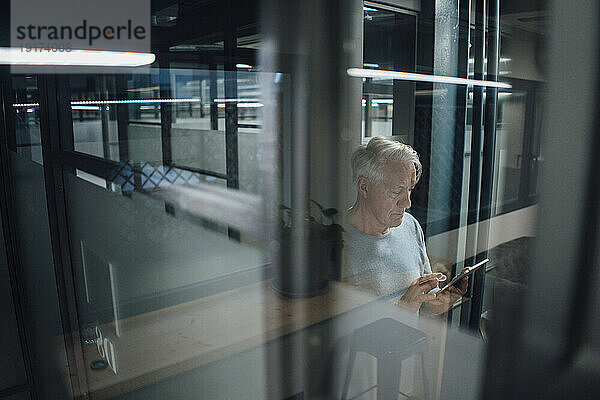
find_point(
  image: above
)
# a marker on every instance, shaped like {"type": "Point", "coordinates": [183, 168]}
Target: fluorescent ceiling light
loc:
{"type": "Point", "coordinates": [242, 66]}
{"type": "Point", "coordinates": [368, 9]}
{"type": "Point", "coordinates": [140, 101]}
{"type": "Point", "coordinates": [409, 76]}
{"type": "Point", "coordinates": [371, 65]}
{"type": "Point", "coordinates": [383, 101]}
{"type": "Point", "coordinates": [243, 105]}
{"type": "Point", "coordinates": [92, 58]}
{"type": "Point", "coordinates": [86, 108]}
{"type": "Point", "coordinates": [26, 105]}
{"type": "Point", "coordinates": [98, 102]}
{"type": "Point", "coordinates": [499, 94]}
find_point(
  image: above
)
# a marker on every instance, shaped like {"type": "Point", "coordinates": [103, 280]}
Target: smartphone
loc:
{"type": "Point", "coordinates": [466, 273]}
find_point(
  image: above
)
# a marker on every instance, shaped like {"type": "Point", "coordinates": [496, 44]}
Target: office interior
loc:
{"type": "Point", "coordinates": [177, 230]}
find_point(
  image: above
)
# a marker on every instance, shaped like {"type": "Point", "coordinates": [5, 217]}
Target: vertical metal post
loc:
{"type": "Point", "coordinates": [214, 110]}
{"type": "Point", "coordinates": [231, 108]}
{"type": "Point", "coordinates": [456, 202]}
{"type": "Point", "coordinates": [423, 109]}
{"type": "Point", "coordinates": [122, 118]}
{"type": "Point", "coordinates": [489, 149]}
{"type": "Point", "coordinates": [443, 116]}
{"type": "Point", "coordinates": [166, 110]}
{"type": "Point", "coordinates": [489, 137]}
{"type": "Point", "coordinates": [9, 228]}
{"type": "Point", "coordinates": [476, 131]}
{"type": "Point", "coordinates": [476, 152]}
{"type": "Point", "coordinates": [464, 23]}
{"type": "Point", "coordinates": [104, 116]}
{"type": "Point", "coordinates": [52, 106]}
{"type": "Point", "coordinates": [367, 109]}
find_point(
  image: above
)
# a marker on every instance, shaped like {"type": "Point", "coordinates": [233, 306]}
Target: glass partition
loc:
{"type": "Point", "coordinates": [233, 228]}
{"type": "Point", "coordinates": [41, 306]}
{"type": "Point", "coordinates": [26, 107]}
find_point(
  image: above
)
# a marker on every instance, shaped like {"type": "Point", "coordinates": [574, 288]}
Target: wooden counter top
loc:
{"type": "Point", "coordinates": [167, 342]}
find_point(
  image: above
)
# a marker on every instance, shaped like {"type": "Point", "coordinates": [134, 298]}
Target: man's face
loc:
{"type": "Point", "coordinates": [389, 199]}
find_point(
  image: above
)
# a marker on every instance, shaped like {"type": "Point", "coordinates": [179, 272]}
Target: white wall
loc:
{"type": "Point", "coordinates": [503, 228]}
{"type": "Point", "coordinates": [521, 49]}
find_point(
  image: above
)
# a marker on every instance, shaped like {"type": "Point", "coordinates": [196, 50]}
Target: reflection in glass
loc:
{"type": "Point", "coordinates": [27, 117]}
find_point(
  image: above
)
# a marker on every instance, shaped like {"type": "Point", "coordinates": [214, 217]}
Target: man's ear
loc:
{"type": "Point", "coordinates": [362, 185]}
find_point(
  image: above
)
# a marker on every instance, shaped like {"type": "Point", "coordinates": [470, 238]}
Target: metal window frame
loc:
{"type": "Point", "coordinates": [52, 104]}
{"type": "Point", "coordinates": [9, 233]}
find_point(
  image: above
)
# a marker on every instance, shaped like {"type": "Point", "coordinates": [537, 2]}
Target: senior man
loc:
{"type": "Point", "coordinates": [383, 240]}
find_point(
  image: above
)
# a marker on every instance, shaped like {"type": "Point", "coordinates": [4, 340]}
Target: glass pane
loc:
{"type": "Point", "coordinates": [536, 148]}
{"type": "Point", "coordinates": [389, 44]}
{"type": "Point", "coordinates": [12, 364]}
{"type": "Point", "coordinates": [40, 303]}
{"type": "Point", "coordinates": [143, 272]}
{"type": "Point", "coordinates": [283, 230]}
{"type": "Point", "coordinates": [41, 306]}
{"type": "Point", "coordinates": [510, 133]}
{"type": "Point", "coordinates": [26, 106]}
{"type": "Point", "coordinates": [119, 118]}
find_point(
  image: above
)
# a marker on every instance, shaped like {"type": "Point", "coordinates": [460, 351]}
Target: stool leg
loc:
{"type": "Point", "coordinates": [425, 382]}
{"type": "Point", "coordinates": [348, 375]}
{"type": "Point", "coordinates": [388, 377]}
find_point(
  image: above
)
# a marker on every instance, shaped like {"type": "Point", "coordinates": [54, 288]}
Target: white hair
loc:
{"type": "Point", "coordinates": [369, 160]}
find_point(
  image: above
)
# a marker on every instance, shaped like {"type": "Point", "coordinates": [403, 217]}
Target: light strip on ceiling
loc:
{"type": "Point", "coordinates": [99, 102]}
{"type": "Point", "coordinates": [79, 104]}
{"type": "Point", "coordinates": [140, 101]}
{"type": "Point", "coordinates": [86, 108]}
{"type": "Point", "coordinates": [243, 105]}
{"type": "Point", "coordinates": [90, 58]}
{"type": "Point", "coordinates": [410, 76]}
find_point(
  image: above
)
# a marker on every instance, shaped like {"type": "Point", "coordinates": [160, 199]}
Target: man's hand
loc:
{"type": "Point", "coordinates": [417, 292]}
{"type": "Point", "coordinates": [443, 301]}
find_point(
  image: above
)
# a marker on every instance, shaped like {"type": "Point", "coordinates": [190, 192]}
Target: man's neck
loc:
{"type": "Point", "coordinates": [363, 220]}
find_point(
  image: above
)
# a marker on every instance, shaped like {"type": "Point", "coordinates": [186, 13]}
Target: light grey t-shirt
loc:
{"type": "Point", "coordinates": [391, 261]}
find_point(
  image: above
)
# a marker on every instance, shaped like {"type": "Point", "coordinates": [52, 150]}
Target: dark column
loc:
{"type": "Point", "coordinates": [10, 246]}
{"type": "Point", "coordinates": [478, 42]}
{"type": "Point", "coordinates": [53, 102]}
{"type": "Point", "coordinates": [122, 118]}
{"type": "Point", "coordinates": [104, 117]}
{"type": "Point", "coordinates": [214, 110]}
{"type": "Point", "coordinates": [166, 111]}
{"type": "Point", "coordinates": [489, 137]}
{"type": "Point", "coordinates": [231, 108]}
{"type": "Point", "coordinates": [312, 43]}
{"type": "Point", "coordinates": [476, 131]}
{"type": "Point", "coordinates": [423, 106]}
{"type": "Point", "coordinates": [367, 109]}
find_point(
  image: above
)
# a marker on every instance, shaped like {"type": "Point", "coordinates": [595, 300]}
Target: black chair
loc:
{"type": "Point", "coordinates": [391, 342]}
